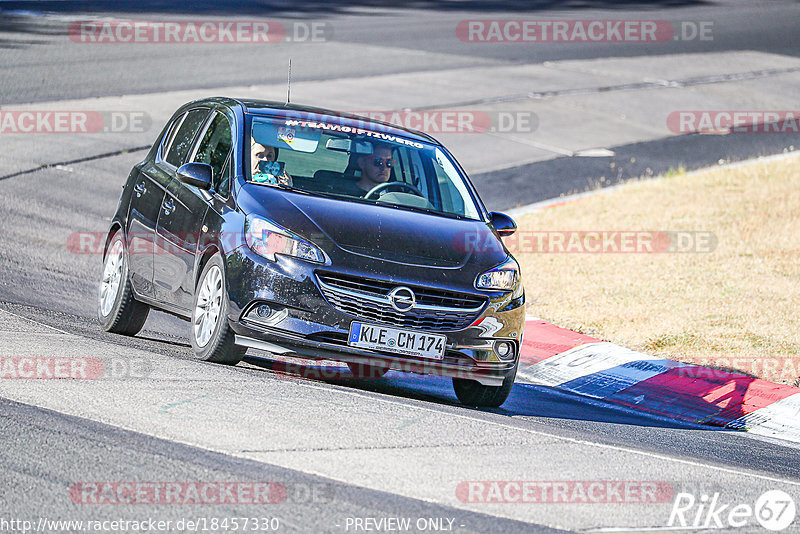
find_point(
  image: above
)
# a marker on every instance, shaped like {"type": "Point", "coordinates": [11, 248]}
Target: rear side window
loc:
{"type": "Point", "coordinates": [165, 143]}
{"type": "Point", "coordinates": [182, 140]}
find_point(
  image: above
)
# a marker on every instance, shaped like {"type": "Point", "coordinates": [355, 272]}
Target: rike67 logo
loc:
{"type": "Point", "coordinates": [774, 510]}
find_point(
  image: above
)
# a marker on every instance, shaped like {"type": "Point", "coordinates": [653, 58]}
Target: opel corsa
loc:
{"type": "Point", "coordinates": [306, 232]}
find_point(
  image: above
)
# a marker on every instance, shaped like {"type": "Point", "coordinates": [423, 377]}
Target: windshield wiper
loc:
{"type": "Point", "coordinates": [280, 186]}
{"type": "Point", "coordinates": [424, 210]}
{"type": "Point", "coordinates": [309, 192]}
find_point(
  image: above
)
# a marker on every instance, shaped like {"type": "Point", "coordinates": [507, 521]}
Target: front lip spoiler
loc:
{"type": "Point", "coordinates": [487, 376]}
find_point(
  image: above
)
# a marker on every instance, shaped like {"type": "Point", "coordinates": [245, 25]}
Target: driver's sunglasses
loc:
{"type": "Point", "coordinates": [380, 162]}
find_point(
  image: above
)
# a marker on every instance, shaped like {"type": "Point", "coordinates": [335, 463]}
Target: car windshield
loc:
{"type": "Point", "coordinates": [327, 157]}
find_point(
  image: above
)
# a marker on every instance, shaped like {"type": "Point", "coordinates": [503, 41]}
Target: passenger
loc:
{"type": "Point", "coordinates": [261, 172]}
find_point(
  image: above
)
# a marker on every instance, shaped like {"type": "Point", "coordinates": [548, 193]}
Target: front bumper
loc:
{"type": "Point", "coordinates": [303, 322]}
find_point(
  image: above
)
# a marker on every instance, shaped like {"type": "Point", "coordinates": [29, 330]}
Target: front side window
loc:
{"type": "Point", "coordinates": [357, 163]}
{"type": "Point", "coordinates": [184, 136]}
{"type": "Point", "coordinates": [215, 149]}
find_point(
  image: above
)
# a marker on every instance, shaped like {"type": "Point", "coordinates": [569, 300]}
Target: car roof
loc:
{"type": "Point", "coordinates": [267, 107]}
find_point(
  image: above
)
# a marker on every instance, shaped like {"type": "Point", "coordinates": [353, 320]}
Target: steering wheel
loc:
{"type": "Point", "coordinates": [378, 190]}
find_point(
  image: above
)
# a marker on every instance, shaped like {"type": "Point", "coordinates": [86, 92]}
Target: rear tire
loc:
{"type": "Point", "coordinates": [361, 370]}
{"type": "Point", "coordinates": [117, 309]}
{"type": "Point", "coordinates": [473, 393]}
{"type": "Point", "coordinates": [211, 334]}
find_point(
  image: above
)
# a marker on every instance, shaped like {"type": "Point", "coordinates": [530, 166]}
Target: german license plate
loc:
{"type": "Point", "coordinates": [408, 343]}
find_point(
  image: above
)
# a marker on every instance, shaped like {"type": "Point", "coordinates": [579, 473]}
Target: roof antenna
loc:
{"type": "Point", "coordinates": [289, 83]}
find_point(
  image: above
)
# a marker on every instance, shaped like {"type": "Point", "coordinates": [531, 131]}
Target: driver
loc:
{"type": "Point", "coordinates": [375, 168]}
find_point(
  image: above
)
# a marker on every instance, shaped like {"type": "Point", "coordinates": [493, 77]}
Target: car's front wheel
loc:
{"type": "Point", "coordinates": [117, 309]}
{"type": "Point", "coordinates": [473, 393]}
{"type": "Point", "coordinates": [211, 335]}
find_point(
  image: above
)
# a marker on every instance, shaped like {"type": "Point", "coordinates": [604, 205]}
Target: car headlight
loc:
{"type": "Point", "coordinates": [504, 276]}
{"type": "Point", "coordinates": [267, 239]}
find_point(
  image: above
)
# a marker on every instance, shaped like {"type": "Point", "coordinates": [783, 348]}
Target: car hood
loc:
{"type": "Point", "coordinates": [380, 232]}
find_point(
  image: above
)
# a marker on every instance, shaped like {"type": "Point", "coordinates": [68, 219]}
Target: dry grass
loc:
{"type": "Point", "coordinates": [734, 308]}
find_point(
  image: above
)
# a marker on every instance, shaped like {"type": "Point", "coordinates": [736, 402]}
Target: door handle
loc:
{"type": "Point", "coordinates": [169, 206]}
{"type": "Point", "coordinates": [139, 189]}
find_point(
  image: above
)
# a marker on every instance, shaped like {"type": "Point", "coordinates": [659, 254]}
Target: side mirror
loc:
{"type": "Point", "coordinates": [196, 174]}
{"type": "Point", "coordinates": [504, 224]}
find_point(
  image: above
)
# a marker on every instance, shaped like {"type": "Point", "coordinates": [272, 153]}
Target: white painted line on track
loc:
{"type": "Point", "coordinates": [601, 445]}
{"type": "Point", "coordinates": [301, 461]}
{"type": "Point", "coordinates": [466, 416]}
{"type": "Point", "coordinates": [38, 323]}
{"type": "Point", "coordinates": [347, 391]}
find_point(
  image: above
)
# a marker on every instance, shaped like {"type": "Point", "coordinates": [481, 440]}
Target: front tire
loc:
{"type": "Point", "coordinates": [211, 334]}
{"type": "Point", "coordinates": [117, 309]}
{"type": "Point", "coordinates": [473, 393]}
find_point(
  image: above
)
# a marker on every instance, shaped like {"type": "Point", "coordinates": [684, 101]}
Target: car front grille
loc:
{"type": "Point", "coordinates": [367, 299]}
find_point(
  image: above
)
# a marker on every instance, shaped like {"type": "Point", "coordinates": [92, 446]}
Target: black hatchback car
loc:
{"type": "Point", "coordinates": [305, 232]}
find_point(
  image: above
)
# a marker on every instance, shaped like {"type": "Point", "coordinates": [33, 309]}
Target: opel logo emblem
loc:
{"type": "Point", "coordinates": [402, 299]}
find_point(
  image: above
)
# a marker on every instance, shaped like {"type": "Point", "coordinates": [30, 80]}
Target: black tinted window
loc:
{"type": "Point", "coordinates": [214, 150]}
{"type": "Point", "coordinates": [182, 141]}
{"type": "Point", "coordinates": [170, 134]}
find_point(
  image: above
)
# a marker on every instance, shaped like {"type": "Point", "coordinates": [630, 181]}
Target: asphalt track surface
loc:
{"type": "Point", "coordinates": [427, 26]}
{"type": "Point", "coordinates": [539, 434]}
